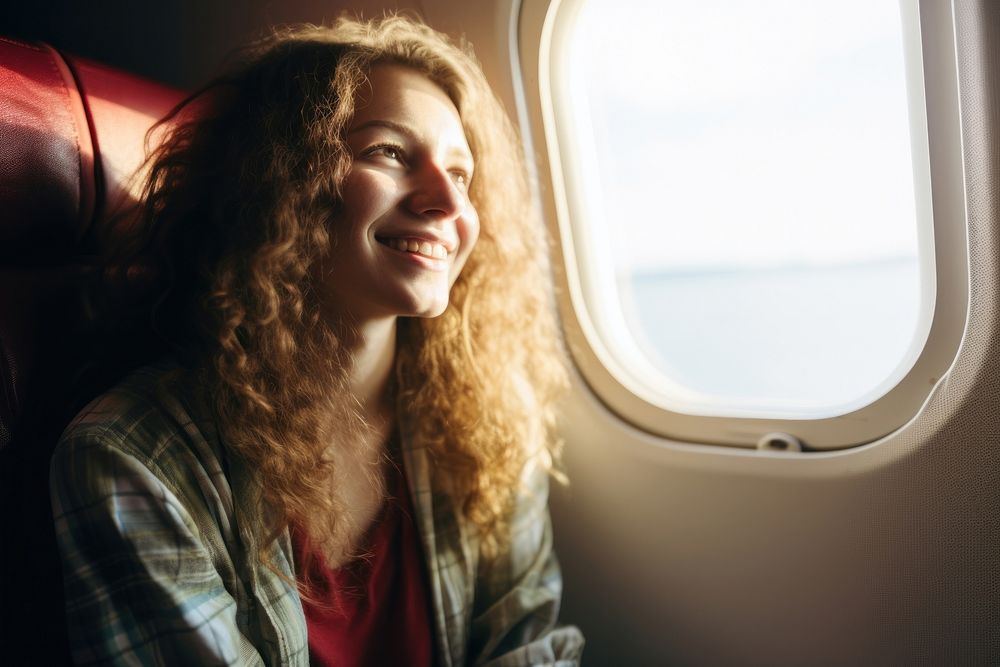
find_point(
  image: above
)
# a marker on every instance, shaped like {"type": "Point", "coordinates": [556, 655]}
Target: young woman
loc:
{"type": "Point", "coordinates": [344, 456]}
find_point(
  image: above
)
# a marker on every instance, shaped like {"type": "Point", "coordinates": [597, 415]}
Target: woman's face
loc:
{"type": "Point", "coordinates": [405, 226]}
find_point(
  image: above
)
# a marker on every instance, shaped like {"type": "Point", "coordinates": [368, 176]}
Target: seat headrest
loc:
{"type": "Point", "coordinates": [71, 135]}
{"type": "Point", "coordinates": [47, 183]}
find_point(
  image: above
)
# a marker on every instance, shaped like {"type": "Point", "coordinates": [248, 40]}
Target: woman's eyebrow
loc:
{"type": "Point", "coordinates": [392, 125]}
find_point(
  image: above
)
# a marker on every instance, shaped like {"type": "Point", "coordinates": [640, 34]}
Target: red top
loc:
{"type": "Point", "coordinates": [373, 610]}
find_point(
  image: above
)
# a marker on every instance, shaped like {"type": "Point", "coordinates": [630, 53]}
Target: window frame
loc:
{"type": "Point", "coordinates": [541, 26]}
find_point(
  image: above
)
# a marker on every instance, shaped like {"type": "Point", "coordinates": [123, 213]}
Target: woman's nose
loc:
{"type": "Point", "coordinates": [435, 193]}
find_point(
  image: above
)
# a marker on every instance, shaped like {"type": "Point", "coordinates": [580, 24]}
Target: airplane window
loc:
{"type": "Point", "coordinates": [752, 198]}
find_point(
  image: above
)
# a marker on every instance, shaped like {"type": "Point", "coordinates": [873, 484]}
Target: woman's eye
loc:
{"type": "Point", "coordinates": [461, 178]}
{"type": "Point", "coordinates": [387, 151]}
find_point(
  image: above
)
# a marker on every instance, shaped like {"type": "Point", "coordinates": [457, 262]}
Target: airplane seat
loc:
{"type": "Point", "coordinates": [71, 134]}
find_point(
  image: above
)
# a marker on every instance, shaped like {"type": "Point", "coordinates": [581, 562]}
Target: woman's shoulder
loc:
{"type": "Point", "coordinates": [143, 440]}
{"type": "Point", "coordinates": [149, 415]}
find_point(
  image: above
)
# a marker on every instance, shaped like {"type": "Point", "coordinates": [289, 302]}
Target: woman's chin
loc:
{"type": "Point", "coordinates": [430, 309]}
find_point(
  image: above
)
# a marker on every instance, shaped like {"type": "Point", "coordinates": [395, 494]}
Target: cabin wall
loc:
{"type": "Point", "coordinates": [179, 42]}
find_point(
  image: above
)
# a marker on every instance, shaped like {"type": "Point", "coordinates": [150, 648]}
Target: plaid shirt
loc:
{"type": "Point", "coordinates": [155, 545]}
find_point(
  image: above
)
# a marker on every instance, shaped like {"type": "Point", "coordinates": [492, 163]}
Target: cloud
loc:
{"type": "Point", "coordinates": [736, 133]}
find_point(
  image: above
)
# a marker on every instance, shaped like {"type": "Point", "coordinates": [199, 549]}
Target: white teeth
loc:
{"type": "Point", "coordinates": [425, 248]}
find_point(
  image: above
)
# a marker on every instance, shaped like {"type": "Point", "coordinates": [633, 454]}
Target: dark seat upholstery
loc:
{"type": "Point", "coordinates": [71, 134]}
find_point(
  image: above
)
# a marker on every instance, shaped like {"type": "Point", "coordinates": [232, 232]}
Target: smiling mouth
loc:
{"type": "Point", "coordinates": [416, 247]}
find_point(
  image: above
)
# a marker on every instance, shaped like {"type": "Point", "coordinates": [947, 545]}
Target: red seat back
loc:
{"type": "Point", "coordinates": [72, 133]}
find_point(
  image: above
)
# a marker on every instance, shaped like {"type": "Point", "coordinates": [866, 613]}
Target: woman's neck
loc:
{"type": "Point", "coordinates": [372, 348]}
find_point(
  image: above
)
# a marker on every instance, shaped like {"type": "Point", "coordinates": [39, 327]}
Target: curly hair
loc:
{"type": "Point", "coordinates": [237, 209]}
